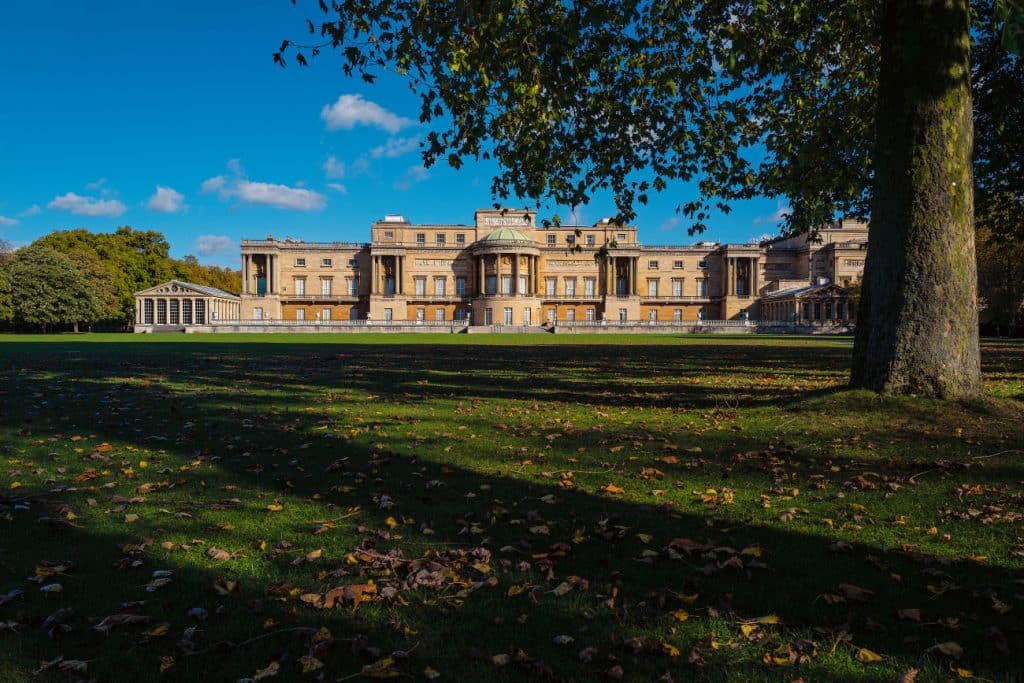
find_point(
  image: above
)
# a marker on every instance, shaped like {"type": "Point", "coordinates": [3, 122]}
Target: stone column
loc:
{"type": "Point", "coordinates": [479, 275]}
{"type": "Point", "coordinates": [635, 275]}
{"type": "Point", "coordinates": [497, 272]}
{"type": "Point", "coordinates": [515, 274]}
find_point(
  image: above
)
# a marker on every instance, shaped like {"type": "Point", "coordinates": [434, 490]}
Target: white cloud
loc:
{"type": "Point", "coordinates": [352, 110]}
{"type": "Point", "coordinates": [338, 187]}
{"type": "Point", "coordinates": [8, 222]}
{"type": "Point", "coordinates": [413, 175]}
{"type": "Point", "coordinates": [669, 223]}
{"type": "Point", "coordinates": [166, 199]}
{"type": "Point", "coordinates": [278, 196]}
{"type": "Point", "coordinates": [334, 168]}
{"type": "Point", "coordinates": [210, 245]}
{"type": "Point", "coordinates": [30, 211]}
{"type": "Point", "coordinates": [214, 184]}
{"type": "Point", "coordinates": [395, 147]}
{"type": "Point", "coordinates": [264, 194]}
{"type": "Point", "coordinates": [87, 206]}
{"type": "Point", "coordinates": [781, 211]}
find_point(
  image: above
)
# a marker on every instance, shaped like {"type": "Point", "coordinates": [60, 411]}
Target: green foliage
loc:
{"type": "Point", "coordinates": [6, 302]}
{"type": "Point", "coordinates": [48, 289]}
{"type": "Point", "coordinates": [1000, 280]}
{"type": "Point", "coordinates": [743, 98]}
{"type": "Point", "coordinates": [128, 260]}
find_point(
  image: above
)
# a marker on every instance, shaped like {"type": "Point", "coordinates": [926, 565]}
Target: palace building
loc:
{"type": "Point", "coordinates": [506, 270]}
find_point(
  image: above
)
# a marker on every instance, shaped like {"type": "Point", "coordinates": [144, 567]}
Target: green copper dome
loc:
{"type": "Point", "coordinates": [506, 235]}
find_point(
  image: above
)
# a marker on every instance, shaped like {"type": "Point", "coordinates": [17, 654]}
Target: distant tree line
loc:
{"type": "Point", "coordinates": [75, 278]}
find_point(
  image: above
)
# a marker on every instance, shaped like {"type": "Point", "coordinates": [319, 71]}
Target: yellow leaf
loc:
{"type": "Point", "coordinates": [669, 649]}
{"type": "Point", "coordinates": [612, 489]}
{"type": "Point", "coordinates": [143, 464]}
{"type": "Point", "coordinates": [15, 484]}
{"type": "Point", "coordinates": [680, 615]}
{"type": "Point", "coordinates": [866, 656]}
{"type": "Point", "coordinates": [391, 522]}
{"type": "Point", "coordinates": [964, 673]}
{"type": "Point", "coordinates": [949, 648]}
{"type": "Point", "coordinates": [275, 507]}
{"type": "Point", "coordinates": [310, 663]}
{"type": "Point", "coordinates": [272, 670]}
{"type": "Point", "coordinates": [382, 668]}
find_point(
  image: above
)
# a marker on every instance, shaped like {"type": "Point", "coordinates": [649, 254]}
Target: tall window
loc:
{"type": "Point", "coordinates": [652, 315]}
{"type": "Point", "coordinates": [492, 284]}
{"type": "Point", "coordinates": [460, 286]}
{"type": "Point", "coordinates": [570, 286]}
{"type": "Point", "coordinates": [439, 286]}
{"type": "Point", "coordinates": [325, 315]}
{"type": "Point", "coordinates": [508, 316]}
{"type": "Point", "coordinates": [506, 285]}
{"type": "Point", "coordinates": [589, 286]}
{"type": "Point", "coordinates": [677, 287]}
{"type": "Point", "coordinates": [353, 313]}
{"type": "Point", "coordinates": [551, 315]}
{"type": "Point", "coordinates": [677, 314]}
{"type": "Point", "coordinates": [200, 312]}
{"type": "Point", "coordinates": [652, 288]}
{"type": "Point", "coordinates": [570, 315]}
{"type": "Point", "coordinates": [421, 314]}
{"type": "Point", "coordinates": [522, 284]}
{"type": "Point", "coordinates": [161, 312]}
{"type": "Point", "coordinates": [389, 315]}
{"type": "Point", "coordinates": [300, 286]}
{"type": "Point", "coordinates": [325, 286]}
{"type": "Point", "coordinates": [623, 315]}
{"type": "Point", "coordinates": [590, 315]}
{"type": "Point", "coordinates": [353, 286]}
{"type": "Point", "coordinates": [300, 313]}
{"type": "Point", "coordinates": [527, 316]}
{"type": "Point", "coordinates": [174, 319]}
{"type": "Point", "coordinates": [439, 315]}
{"type": "Point", "coordinates": [702, 288]}
{"type": "Point", "coordinates": [421, 286]}
{"type": "Point", "coordinates": [147, 312]}
{"type": "Point", "coordinates": [257, 313]}
{"type": "Point", "coordinates": [488, 316]}
{"type": "Point", "coordinates": [549, 286]}
{"type": "Point", "coordinates": [186, 311]}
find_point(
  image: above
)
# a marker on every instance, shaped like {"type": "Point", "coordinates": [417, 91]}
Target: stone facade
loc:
{"type": "Point", "coordinates": [505, 269]}
{"type": "Point", "coordinates": [177, 305]}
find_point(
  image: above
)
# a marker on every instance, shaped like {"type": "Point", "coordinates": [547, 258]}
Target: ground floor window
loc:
{"type": "Point", "coordinates": [325, 314]}
{"type": "Point", "coordinates": [300, 313]}
{"type": "Point", "coordinates": [677, 314]}
{"type": "Point", "coordinates": [439, 315]}
{"type": "Point", "coordinates": [388, 315]}
{"type": "Point", "coordinates": [175, 314]}
{"type": "Point", "coordinates": [841, 310]}
{"type": "Point", "coordinates": [200, 312]}
{"type": "Point", "coordinates": [353, 313]}
{"type": "Point", "coordinates": [623, 315]}
{"type": "Point", "coordinates": [488, 316]}
{"type": "Point", "coordinates": [186, 311]}
{"type": "Point", "coordinates": [570, 315]}
{"type": "Point", "coordinates": [652, 315]}
{"type": "Point", "coordinates": [590, 314]}
{"type": "Point", "coordinates": [147, 311]}
{"type": "Point", "coordinates": [508, 316]}
{"type": "Point", "coordinates": [257, 313]}
{"type": "Point", "coordinates": [551, 315]}
{"type": "Point", "coordinates": [527, 316]}
{"type": "Point", "coordinates": [161, 312]}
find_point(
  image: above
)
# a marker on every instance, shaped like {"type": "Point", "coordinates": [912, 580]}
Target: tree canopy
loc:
{"type": "Point", "coordinates": [47, 289]}
{"type": "Point", "coordinates": [120, 263]}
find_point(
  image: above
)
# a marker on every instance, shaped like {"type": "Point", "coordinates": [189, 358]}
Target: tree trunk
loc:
{"type": "Point", "coordinates": [917, 330]}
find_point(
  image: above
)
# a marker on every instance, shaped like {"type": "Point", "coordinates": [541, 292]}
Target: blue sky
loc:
{"type": "Point", "coordinates": [171, 116]}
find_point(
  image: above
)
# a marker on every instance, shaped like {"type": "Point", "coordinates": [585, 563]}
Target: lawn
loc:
{"type": "Point", "coordinates": [501, 507]}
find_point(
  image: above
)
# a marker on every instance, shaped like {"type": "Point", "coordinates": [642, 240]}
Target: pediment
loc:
{"type": "Point", "coordinates": [172, 288]}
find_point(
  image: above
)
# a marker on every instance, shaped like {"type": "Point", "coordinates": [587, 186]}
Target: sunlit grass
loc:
{"type": "Point", "coordinates": [428, 443]}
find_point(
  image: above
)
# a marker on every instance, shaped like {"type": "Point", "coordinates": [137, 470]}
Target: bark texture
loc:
{"type": "Point", "coordinates": [917, 330]}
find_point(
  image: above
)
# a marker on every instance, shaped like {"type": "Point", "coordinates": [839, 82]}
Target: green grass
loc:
{"type": "Point", "coordinates": [753, 484]}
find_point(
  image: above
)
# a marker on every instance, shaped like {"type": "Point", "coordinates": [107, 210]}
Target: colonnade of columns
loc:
{"type": "Point", "coordinates": [531, 274]}
{"type": "Point", "coordinates": [631, 266]}
{"type": "Point", "coordinates": [741, 276]}
{"type": "Point", "coordinates": [170, 310]}
{"type": "Point", "coordinates": [251, 272]}
{"type": "Point", "coordinates": [378, 275]}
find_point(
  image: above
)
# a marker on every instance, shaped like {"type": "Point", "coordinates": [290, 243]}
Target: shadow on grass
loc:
{"type": "Point", "coordinates": [249, 430]}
